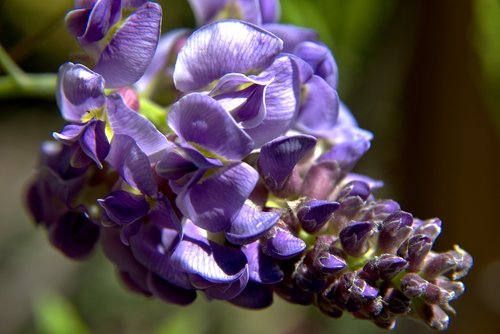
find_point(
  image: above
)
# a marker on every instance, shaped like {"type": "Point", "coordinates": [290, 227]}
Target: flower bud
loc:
{"type": "Point", "coordinates": [395, 230]}
{"type": "Point", "coordinates": [314, 214]}
{"type": "Point", "coordinates": [415, 250]}
{"type": "Point", "coordinates": [355, 237]}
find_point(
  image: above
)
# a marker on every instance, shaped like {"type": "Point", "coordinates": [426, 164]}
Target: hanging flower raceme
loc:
{"type": "Point", "coordinates": [221, 163]}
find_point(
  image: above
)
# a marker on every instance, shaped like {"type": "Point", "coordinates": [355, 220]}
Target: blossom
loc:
{"type": "Point", "coordinates": [237, 182]}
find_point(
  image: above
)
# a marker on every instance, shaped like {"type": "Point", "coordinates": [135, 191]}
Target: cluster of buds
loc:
{"type": "Point", "coordinates": [219, 161]}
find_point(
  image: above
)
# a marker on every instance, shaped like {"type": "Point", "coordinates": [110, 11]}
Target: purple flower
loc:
{"type": "Point", "coordinates": [264, 105]}
{"type": "Point", "coordinates": [228, 170]}
{"type": "Point", "coordinates": [124, 57]}
{"type": "Point", "coordinates": [253, 11]}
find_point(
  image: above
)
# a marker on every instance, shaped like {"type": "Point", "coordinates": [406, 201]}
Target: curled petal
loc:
{"type": "Point", "coordinates": [90, 25]}
{"type": "Point", "coordinates": [281, 101]}
{"type": "Point", "coordinates": [278, 158]}
{"type": "Point", "coordinates": [315, 214]}
{"type": "Point", "coordinates": [128, 54]}
{"type": "Point", "coordinates": [329, 263]}
{"type": "Point", "coordinates": [125, 121]}
{"type": "Point", "coordinates": [132, 164]}
{"type": "Point", "coordinates": [246, 105]}
{"type": "Point", "coordinates": [69, 134]}
{"type": "Point", "coordinates": [227, 291]}
{"type": "Point", "coordinates": [94, 143]}
{"type": "Point", "coordinates": [283, 245]}
{"type": "Point", "coordinates": [223, 47]}
{"type": "Point", "coordinates": [216, 201]}
{"type": "Point", "coordinates": [354, 237]}
{"type": "Point", "coordinates": [250, 224]}
{"type": "Point", "coordinates": [74, 234]}
{"type": "Point", "coordinates": [123, 207]}
{"type": "Point", "coordinates": [79, 91]}
{"type": "Point", "coordinates": [181, 161]}
{"type": "Point", "coordinates": [291, 35]}
{"type": "Point", "coordinates": [321, 60]}
{"type": "Point", "coordinates": [319, 108]}
{"type": "Point", "coordinates": [201, 120]}
{"type": "Point", "coordinates": [396, 228]}
{"type": "Point", "coordinates": [213, 262]}
{"type": "Point", "coordinates": [262, 268]}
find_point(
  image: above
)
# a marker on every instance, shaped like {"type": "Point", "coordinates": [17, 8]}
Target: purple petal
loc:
{"type": "Point", "coordinates": [278, 158]}
{"type": "Point", "coordinates": [250, 224]}
{"type": "Point", "coordinates": [100, 18]}
{"type": "Point", "coordinates": [246, 105]}
{"type": "Point", "coordinates": [128, 54]}
{"type": "Point", "coordinates": [125, 121]}
{"type": "Point", "coordinates": [167, 49]}
{"type": "Point", "coordinates": [133, 3]}
{"type": "Point", "coordinates": [94, 142]}
{"type": "Point", "coordinates": [255, 296]}
{"type": "Point", "coordinates": [319, 108]}
{"type": "Point", "coordinates": [181, 161]}
{"type": "Point", "coordinates": [354, 188]}
{"type": "Point", "coordinates": [76, 21]}
{"type": "Point", "coordinates": [329, 263]}
{"type": "Point", "coordinates": [321, 60]}
{"type": "Point", "coordinates": [354, 237]}
{"type": "Point", "coordinates": [262, 268]}
{"type": "Point", "coordinates": [271, 11]}
{"type": "Point", "coordinates": [123, 207]}
{"type": "Point", "coordinates": [395, 229]}
{"type": "Point", "coordinates": [281, 99]}
{"type": "Point", "coordinates": [315, 214]}
{"type": "Point", "coordinates": [216, 201]}
{"type": "Point", "coordinates": [245, 10]}
{"type": "Point", "coordinates": [199, 119]}
{"type": "Point", "coordinates": [346, 154]}
{"type": "Point", "coordinates": [372, 183]}
{"type": "Point", "coordinates": [169, 292]}
{"type": "Point", "coordinates": [74, 234]}
{"type": "Point", "coordinates": [69, 134]}
{"type": "Point", "coordinates": [227, 291]}
{"type": "Point", "coordinates": [223, 47]}
{"type": "Point", "coordinates": [132, 164]}
{"type": "Point", "coordinates": [121, 256]}
{"type": "Point", "coordinates": [204, 11]}
{"type": "Point", "coordinates": [291, 35]}
{"type": "Point", "coordinates": [213, 262]}
{"type": "Point", "coordinates": [283, 245]}
{"type": "Point", "coordinates": [79, 91]}
{"type": "Point", "coordinates": [321, 180]}
{"type": "Point", "coordinates": [155, 241]}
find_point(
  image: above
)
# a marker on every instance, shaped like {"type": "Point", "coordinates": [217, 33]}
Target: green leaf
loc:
{"type": "Point", "coordinates": [55, 315]}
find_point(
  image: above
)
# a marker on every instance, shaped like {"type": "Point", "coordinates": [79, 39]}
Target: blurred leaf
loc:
{"type": "Point", "coordinates": [487, 40]}
{"type": "Point", "coordinates": [55, 315]}
{"type": "Point", "coordinates": [349, 28]}
{"type": "Point", "coordinates": [184, 321]}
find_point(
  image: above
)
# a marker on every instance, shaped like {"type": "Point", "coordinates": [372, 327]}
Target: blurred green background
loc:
{"type": "Point", "coordinates": [423, 76]}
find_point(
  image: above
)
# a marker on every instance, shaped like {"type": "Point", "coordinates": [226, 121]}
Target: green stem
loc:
{"type": "Point", "coordinates": [19, 84]}
{"type": "Point", "coordinates": [41, 85]}
{"type": "Point", "coordinates": [11, 68]}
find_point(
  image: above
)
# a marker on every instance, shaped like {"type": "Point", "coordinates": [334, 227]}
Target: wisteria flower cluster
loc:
{"type": "Point", "coordinates": [219, 161]}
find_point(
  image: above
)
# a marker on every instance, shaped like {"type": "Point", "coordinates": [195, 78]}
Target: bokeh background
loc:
{"type": "Point", "coordinates": [423, 76]}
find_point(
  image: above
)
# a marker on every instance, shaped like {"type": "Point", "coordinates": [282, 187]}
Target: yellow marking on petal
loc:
{"type": "Point", "coordinates": [231, 11]}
